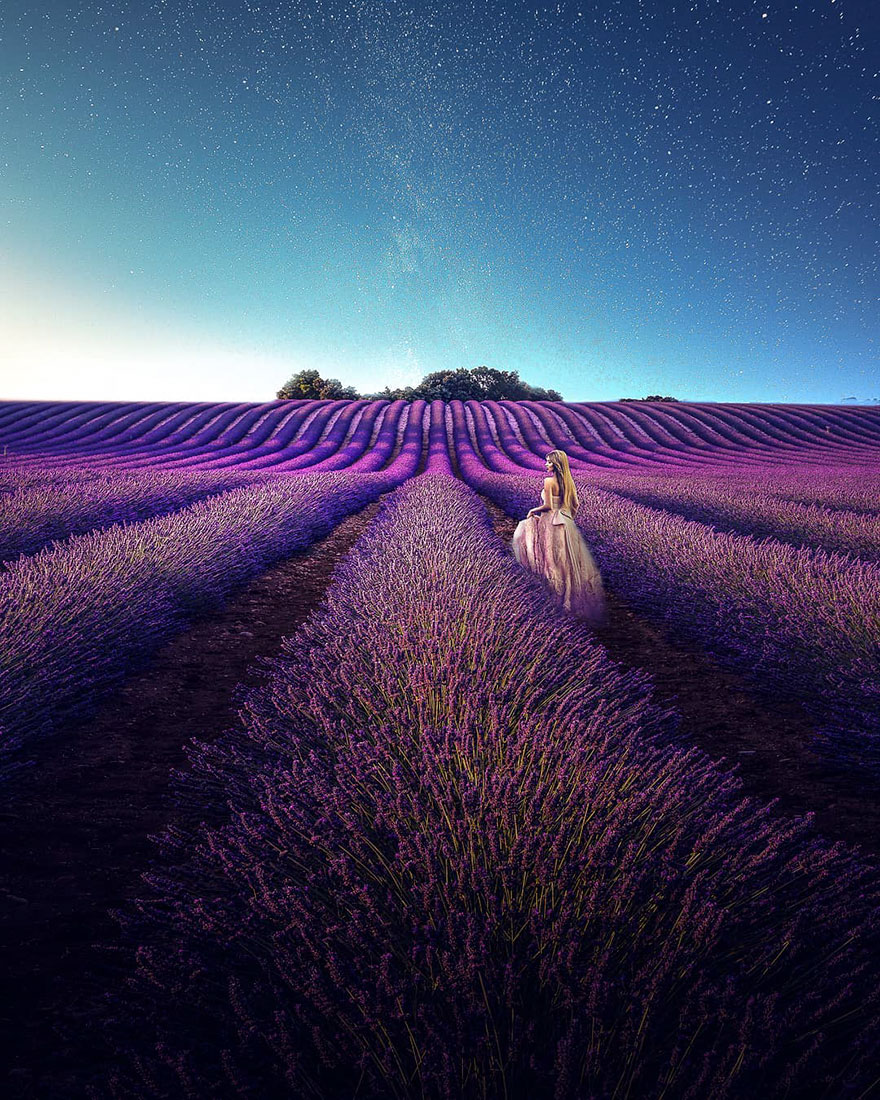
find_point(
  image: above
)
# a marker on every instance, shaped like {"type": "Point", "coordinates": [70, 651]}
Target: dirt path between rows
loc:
{"type": "Point", "coordinates": [75, 834]}
{"type": "Point", "coordinates": [724, 715]}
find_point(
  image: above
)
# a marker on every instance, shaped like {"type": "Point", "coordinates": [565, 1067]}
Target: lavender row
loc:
{"type": "Point", "coordinates": [863, 496]}
{"type": "Point", "coordinates": [453, 851]}
{"type": "Point", "coordinates": [656, 438]}
{"type": "Point", "coordinates": [35, 516]}
{"type": "Point", "coordinates": [77, 619]}
{"type": "Point", "coordinates": [479, 433]}
{"type": "Point", "coordinates": [805, 623]}
{"type": "Point", "coordinates": [836, 488]}
{"type": "Point", "coordinates": [602, 435]}
{"type": "Point", "coordinates": [284, 436]}
{"type": "Point", "coordinates": [89, 430]}
{"type": "Point", "coordinates": [839, 671]}
{"type": "Point", "coordinates": [18, 478]}
{"type": "Point", "coordinates": [749, 510]}
{"type": "Point", "coordinates": [204, 440]}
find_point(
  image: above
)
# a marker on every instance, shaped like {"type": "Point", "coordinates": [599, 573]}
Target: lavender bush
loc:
{"type": "Point", "coordinates": [803, 622]}
{"type": "Point", "coordinates": [301, 434]}
{"type": "Point", "coordinates": [38, 514]}
{"type": "Point", "coordinates": [78, 618]}
{"type": "Point", "coordinates": [454, 851]}
{"type": "Point", "coordinates": [750, 510]}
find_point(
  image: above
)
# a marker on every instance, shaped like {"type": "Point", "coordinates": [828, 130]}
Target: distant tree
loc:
{"type": "Point", "coordinates": [653, 397]}
{"type": "Point", "coordinates": [405, 394]}
{"type": "Point", "coordinates": [308, 385]}
{"type": "Point", "coordinates": [478, 383]}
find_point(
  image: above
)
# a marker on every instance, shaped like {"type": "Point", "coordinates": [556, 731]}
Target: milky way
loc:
{"type": "Point", "coordinates": [613, 199]}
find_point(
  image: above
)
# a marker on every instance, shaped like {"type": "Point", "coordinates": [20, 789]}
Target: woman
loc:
{"type": "Point", "coordinates": [549, 543]}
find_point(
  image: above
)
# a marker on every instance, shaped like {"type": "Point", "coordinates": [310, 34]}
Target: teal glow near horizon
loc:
{"type": "Point", "coordinates": [200, 200]}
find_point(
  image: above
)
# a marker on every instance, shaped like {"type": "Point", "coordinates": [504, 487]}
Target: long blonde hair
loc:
{"type": "Point", "coordinates": [567, 491]}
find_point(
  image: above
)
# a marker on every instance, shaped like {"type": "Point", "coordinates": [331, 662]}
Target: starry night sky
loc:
{"type": "Point", "coordinates": [637, 196]}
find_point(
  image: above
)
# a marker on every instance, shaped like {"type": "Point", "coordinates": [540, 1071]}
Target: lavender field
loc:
{"type": "Point", "coordinates": [310, 790]}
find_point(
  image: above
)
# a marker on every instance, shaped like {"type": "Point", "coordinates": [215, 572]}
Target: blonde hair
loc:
{"type": "Point", "coordinates": [567, 491]}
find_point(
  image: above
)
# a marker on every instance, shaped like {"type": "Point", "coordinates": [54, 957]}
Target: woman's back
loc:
{"type": "Point", "coordinates": [551, 545]}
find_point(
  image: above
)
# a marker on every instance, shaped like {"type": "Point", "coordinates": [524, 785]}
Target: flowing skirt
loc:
{"type": "Point", "coordinates": [552, 546]}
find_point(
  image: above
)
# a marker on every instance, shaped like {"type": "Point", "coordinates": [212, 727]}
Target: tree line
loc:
{"type": "Point", "coordinates": [474, 384]}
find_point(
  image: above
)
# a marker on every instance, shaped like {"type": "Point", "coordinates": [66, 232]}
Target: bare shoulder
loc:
{"type": "Point", "coordinates": [550, 484]}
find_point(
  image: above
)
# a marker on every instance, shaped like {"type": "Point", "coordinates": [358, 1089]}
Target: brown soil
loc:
{"type": "Point", "coordinates": [76, 830]}
{"type": "Point", "coordinates": [766, 740]}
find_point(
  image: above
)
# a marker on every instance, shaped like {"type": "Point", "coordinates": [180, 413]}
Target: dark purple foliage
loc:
{"type": "Point", "coordinates": [454, 851]}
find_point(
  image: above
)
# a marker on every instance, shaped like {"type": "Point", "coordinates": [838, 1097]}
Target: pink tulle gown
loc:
{"type": "Point", "coordinates": [551, 545]}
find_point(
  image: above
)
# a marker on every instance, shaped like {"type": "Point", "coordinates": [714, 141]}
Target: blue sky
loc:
{"type": "Point", "coordinates": [197, 200]}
